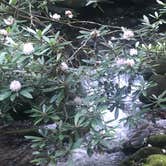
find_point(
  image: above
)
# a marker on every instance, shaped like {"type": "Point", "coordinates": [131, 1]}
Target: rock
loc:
{"type": "Point", "coordinates": [136, 141]}
{"type": "Point", "coordinates": [143, 135]}
{"type": "Point", "coordinates": [157, 140]}
{"type": "Point", "coordinates": [79, 157]}
{"type": "Point", "coordinates": [156, 160]}
{"type": "Point", "coordinates": [140, 155]}
{"type": "Point", "coordinates": [161, 123]}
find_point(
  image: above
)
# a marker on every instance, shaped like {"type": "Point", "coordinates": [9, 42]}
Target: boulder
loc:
{"type": "Point", "coordinates": [140, 155]}
{"type": "Point", "coordinates": [157, 140]}
{"type": "Point", "coordinates": [79, 157]}
{"type": "Point", "coordinates": [156, 160]}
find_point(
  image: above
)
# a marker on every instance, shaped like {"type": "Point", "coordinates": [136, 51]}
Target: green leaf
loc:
{"type": "Point", "coordinates": [26, 94]}
{"type": "Point", "coordinates": [46, 29]}
{"type": "Point", "coordinates": [76, 118]}
{"type": "Point", "coordinates": [4, 95]}
{"type": "Point", "coordinates": [77, 144]}
{"type": "Point", "coordinates": [12, 97]}
{"type": "Point", "coordinates": [12, 2]}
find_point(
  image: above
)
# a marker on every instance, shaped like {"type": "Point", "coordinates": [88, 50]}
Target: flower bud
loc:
{"type": "Point", "coordinates": [69, 14]}
{"type": "Point", "coordinates": [64, 67]}
{"type": "Point", "coordinates": [9, 21]}
{"type": "Point", "coordinates": [95, 33]}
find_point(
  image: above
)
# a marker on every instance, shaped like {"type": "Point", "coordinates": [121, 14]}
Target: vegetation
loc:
{"type": "Point", "coordinates": [65, 86]}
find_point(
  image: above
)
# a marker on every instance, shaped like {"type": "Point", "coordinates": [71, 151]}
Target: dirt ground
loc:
{"type": "Point", "coordinates": [14, 149]}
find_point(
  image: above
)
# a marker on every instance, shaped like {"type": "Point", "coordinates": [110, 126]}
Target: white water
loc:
{"type": "Point", "coordinates": [121, 130]}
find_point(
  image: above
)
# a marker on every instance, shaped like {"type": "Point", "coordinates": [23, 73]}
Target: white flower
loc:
{"type": "Point", "coordinates": [127, 33]}
{"type": "Point", "coordinates": [95, 33]}
{"type": "Point", "coordinates": [78, 100]}
{"type": "Point", "coordinates": [56, 16]}
{"type": "Point", "coordinates": [130, 62]}
{"type": "Point", "coordinates": [110, 43]}
{"type": "Point", "coordinates": [133, 51]}
{"type": "Point", "coordinates": [64, 66]}
{"type": "Point", "coordinates": [120, 61]}
{"type": "Point", "coordinates": [149, 145]}
{"type": "Point", "coordinates": [69, 13]}
{"type": "Point", "coordinates": [3, 32]}
{"type": "Point", "coordinates": [15, 86]}
{"type": "Point", "coordinates": [51, 126]}
{"type": "Point", "coordinates": [28, 48]}
{"type": "Point", "coordinates": [9, 21]}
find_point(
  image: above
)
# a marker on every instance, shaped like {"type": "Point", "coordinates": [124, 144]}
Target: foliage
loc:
{"type": "Point", "coordinates": [65, 94]}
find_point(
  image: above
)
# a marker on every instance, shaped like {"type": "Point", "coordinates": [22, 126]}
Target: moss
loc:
{"type": "Point", "coordinates": [156, 160]}
{"type": "Point", "coordinates": [141, 155]}
{"type": "Point", "coordinates": [158, 140]}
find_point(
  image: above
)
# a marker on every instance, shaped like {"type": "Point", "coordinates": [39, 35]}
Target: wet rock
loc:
{"type": "Point", "coordinates": [140, 155]}
{"type": "Point", "coordinates": [79, 157]}
{"type": "Point", "coordinates": [138, 137]}
{"type": "Point", "coordinates": [157, 140]}
{"type": "Point", "coordinates": [156, 160]}
{"type": "Point", "coordinates": [161, 124]}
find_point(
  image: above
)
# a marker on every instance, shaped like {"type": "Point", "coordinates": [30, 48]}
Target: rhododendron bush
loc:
{"type": "Point", "coordinates": [44, 73]}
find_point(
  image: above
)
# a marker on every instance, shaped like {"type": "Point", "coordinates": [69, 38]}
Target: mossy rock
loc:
{"type": "Point", "coordinates": [156, 160]}
{"type": "Point", "coordinates": [140, 155]}
{"type": "Point", "coordinates": [157, 140]}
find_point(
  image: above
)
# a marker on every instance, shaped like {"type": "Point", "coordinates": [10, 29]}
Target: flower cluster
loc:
{"type": "Point", "coordinates": [69, 14]}
{"type": "Point", "coordinates": [28, 48]}
{"type": "Point", "coordinates": [127, 33]}
{"type": "Point", "coordinates": [64, 67]}
{"type": "Point", "coordinates": [133, 51]}
{"type": "Point", "coordinates": [55, 16]}
{"type": "Point", "coordinates": [15, 86]}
